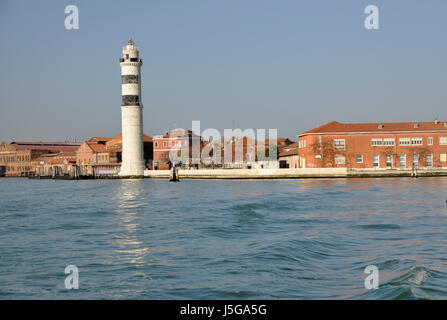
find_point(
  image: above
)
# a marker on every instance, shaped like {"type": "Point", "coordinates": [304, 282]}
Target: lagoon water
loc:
{"type": "Point", "coordinates": [220, 239]}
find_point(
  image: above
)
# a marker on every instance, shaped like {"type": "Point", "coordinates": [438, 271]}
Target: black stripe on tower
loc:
{"type": "Point", "coordinates": [131, 100]}
{"type": "Point", "coordinates": [131, 78]}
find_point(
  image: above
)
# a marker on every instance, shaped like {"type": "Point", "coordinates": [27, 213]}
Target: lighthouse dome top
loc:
{"type": "Point", "coordinates": [130, 45]}
{"type": "Point", "coordinates": [130, 42]}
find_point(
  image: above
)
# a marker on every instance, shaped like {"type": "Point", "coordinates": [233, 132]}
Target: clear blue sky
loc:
{"type": "Point", "coordinates": [290, 65]}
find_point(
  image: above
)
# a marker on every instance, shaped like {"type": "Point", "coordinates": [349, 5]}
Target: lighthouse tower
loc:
{"type": "Point", "coordinates": [132, 112]}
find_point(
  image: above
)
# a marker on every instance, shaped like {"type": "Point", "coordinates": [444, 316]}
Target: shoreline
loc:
{"type": "Point", "coordinates": [276, 174]}
{"type": "Point", "coordinates": [308, 173]}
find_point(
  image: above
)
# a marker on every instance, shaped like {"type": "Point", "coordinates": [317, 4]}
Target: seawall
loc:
{"type": "Point", "coordinates": [293, 173]}
{"type": "Point", "coordinates": [252, 173]}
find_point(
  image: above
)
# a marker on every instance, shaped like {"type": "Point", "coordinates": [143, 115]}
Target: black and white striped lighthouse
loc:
{"type": "Point", "coordinates": [132, 112]}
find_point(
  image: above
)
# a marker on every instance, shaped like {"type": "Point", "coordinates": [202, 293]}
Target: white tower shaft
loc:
{"type": "Point", "coordinates": [132, 112]}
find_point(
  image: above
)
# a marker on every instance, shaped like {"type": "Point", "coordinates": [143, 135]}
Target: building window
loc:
{"type": "Point", "coordinates": [443, 141]}
{"type": "Point", "coordinates": [156, 144]}
{"type": "Point", "coordinates": [340, 159]}
{"type": "Point", "coordinates": [389, 160]}
{"type": "Point", "coordinates": [415, 160]}
{"type": "Point", "coordinates": [388, 141]}
{"type": "Point", "coordinates": [165, 143]}
{"type": "Point", "coordinates": [376, 142]}
{"type": "Point", "coordinates": [376, 161]}
{"type": "Point", "coordinates": [430, 141]}
{"type": "Point", "coordinates": [359, 158]}
{"type": "Point", "coordinates": [170, 143]}
{"type": "Point", "coordinates": [339, 144]}
{"type": "Point", "coordinates": [443, 157]}
{"type": "Point", "coordinates": [404, 141]}
{"type": "Point", "coordinates": [416, 141]}
{"type": "Point", "coordinates": [403, 160]}
{"type": "Point", "coordinates": [429, 160]}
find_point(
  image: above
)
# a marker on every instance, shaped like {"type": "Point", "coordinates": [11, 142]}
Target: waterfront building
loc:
{"type": "Point", "coordinates": [405, 145]}
{"type": "Point", "coordinates": [173, 142]}
{"type": "Point", "coordinates": [235, 152]}
{"type": "Point", "coordinates": [240, 152]}
{"type": "Point", "coordinates": [19, 158]}
{"type": "Point", "coordinates": [55, 164]}
{"type": "Point", "coordinates": [89, 150]}
{"type": "Point", "coordinates": [279, 142]}
{"type": "Point", "coordinates": [131, 112]}
{"type": "Point", "coordinates": [103, 155]}
{"type": "Point", "coordinates": [288, 156]}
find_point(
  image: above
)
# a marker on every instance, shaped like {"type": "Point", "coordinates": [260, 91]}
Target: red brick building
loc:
{"type": "Point", "coordinates": [235, 152]}
{"type": "Point", "coordinates": [105, 153]}
{"type": "Point", "coordinates": [176, 139]}
{"type": "Point", "coordinates": [55, 164]}
{"type": "Point", "coordinates": [375, 145]}
{"type": "Point", "coordinates": [20, 158]}
{"type": "Point", "coordinates": [108, 150]}
{"type": "Point", "coordinates": [288, 156]}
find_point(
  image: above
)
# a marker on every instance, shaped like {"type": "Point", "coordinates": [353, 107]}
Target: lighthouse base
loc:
{"type": "Point", "coordinates": [135, 170]}
{"type": "Point", "coordinates": [133, 163]}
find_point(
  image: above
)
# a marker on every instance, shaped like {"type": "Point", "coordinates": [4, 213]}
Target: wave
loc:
{"type": "Point", "coordinates": [379, 226]}
{"type": "Point", "coordinates": [412, 284]}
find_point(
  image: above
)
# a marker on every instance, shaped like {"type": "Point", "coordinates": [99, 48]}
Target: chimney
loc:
{"type": "Point", "coordinates": [436, 121]}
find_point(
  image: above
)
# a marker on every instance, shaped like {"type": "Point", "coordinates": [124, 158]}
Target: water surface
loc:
{"type": "Point", "coordinates": [220, 239]}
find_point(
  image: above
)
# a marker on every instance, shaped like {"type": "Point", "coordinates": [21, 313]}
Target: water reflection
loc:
{"type": "Point", "coordinates": [131, 199]}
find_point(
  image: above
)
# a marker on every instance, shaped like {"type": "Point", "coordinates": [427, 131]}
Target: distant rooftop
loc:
{"type": "Point", "coordinates": [51, 146]}
{"type": "Point", "coordinates": [338, 127]}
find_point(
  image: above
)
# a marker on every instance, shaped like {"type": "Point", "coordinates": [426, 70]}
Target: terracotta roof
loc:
{"type": "Point", "coordinates": [60, 160]}
{"type": "Point", "coordinates": [119, 137]}
{"type": "Point", "coordinates": [59, 155]}
{"type": "Point", "coordinates": [290, 152]}
{"type": "Point", "coordinates": [291, 149]}
{"type": "Point", "coordinates": [96, 147]}
{"type": "Point", "coordinates": [51, 146]}
{"type": "Point", "coordinates": [291, 146]}
{"type": "Point", "coordinates": [67, 154]}
{"type": "Point", "coordinates": [100, 139]}
{"type": "Point", "coordinates": [338, 127]}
